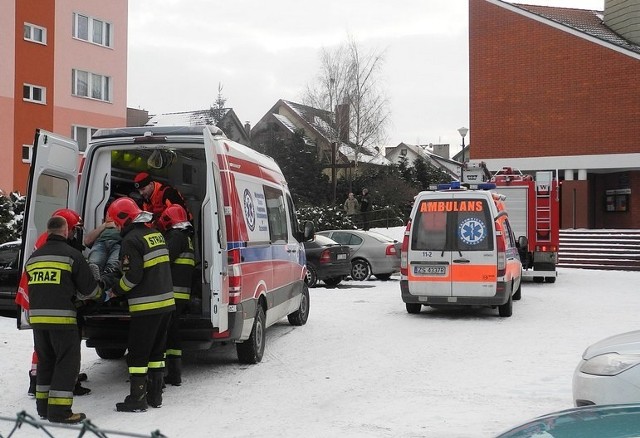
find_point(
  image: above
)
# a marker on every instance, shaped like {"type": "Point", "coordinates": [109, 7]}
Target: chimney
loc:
{"type": "Point", "coordinates": [247, 128]}
{"type": "Point", "coordinates": [342, 122]}
{"type": "Point", "coordinates": [623, 17]}
{"type": "Point", "coordinates": [441, 150]}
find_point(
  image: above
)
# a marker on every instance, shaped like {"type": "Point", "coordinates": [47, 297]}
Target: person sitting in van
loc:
{"type": "Point", "coordinates": [103, 257]}
{"type": "Point", "coordinates": [157, 196]}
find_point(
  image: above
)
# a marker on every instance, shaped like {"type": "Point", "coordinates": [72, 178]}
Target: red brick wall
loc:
{"type": "Point", "coordinates": [539, 91]}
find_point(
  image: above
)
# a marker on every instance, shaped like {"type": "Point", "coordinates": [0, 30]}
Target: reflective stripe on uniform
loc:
{"type": "Point", "coordinates": [185, 258]}
{"type": "Point", "coordinates": [155, 260]}
{"type": "Point", "coordinates": [156, 365]}
{"type": "Point", "coordinates": [181, 293]}
{"type": "Point", "coordinates": [153, 305]}
{"type": "Point", "coordinates": [173, 352]}
{"type": "Point", "coordinates": [138, 370]}
{"type": "Point", "coordinates": [52, 316]}
{"type": "Point", "coordinates": [50, 261]}
{"type": "Point", "coordinates": [125, 284]}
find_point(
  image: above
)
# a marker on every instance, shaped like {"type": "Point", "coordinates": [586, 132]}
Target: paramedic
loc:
{"type": "Point", "coordinates": [146, 283]}
{"type": "Point", "coordinates": [57, 274]}
{"type": "Point", "coordinates": [178, 233]}
{"type": "Point", "coordinates": [157, 196]}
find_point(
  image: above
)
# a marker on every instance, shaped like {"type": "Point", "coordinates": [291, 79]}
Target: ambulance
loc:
{"type": "Point", "coordinates": [250, 262]}
{"type": "Point", "coordinates": [459, 250]}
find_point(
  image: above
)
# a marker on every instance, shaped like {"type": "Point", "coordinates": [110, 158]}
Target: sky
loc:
{"type": "Point", "coordinates": [264, 51]}
{"type": "Point", "coordinates": [363, 367]}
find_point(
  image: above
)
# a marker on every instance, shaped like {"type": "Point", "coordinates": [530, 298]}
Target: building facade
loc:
{"type": "Point", "coordinates": [557, 89]}
{"type": "Point", "coordinates": [64, 69]}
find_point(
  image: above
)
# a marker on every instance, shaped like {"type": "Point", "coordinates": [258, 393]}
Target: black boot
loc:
{"type": "Point", "coordinates": [32, 384]}
{"type": "Point", "coordinates": [154, 388]}
{"type": "Point", "coordinates": [174, 368]}
{"type": "Point", "coordinates": [136, 401]}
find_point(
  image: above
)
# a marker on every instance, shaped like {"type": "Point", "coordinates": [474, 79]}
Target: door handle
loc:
{"type": "Point", "coordinates": [461, 261]}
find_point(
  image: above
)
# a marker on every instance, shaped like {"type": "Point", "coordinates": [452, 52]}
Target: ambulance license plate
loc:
{"type": "Point", "coordinates": [430, 270]}
{"type": "Point", "coordinates": [342, 256]}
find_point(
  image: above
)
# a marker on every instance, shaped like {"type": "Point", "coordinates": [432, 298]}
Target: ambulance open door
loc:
{"type": "Point", "coordinates": [52, 184]}
{"type": "Point", "coordinates": [214, 245]}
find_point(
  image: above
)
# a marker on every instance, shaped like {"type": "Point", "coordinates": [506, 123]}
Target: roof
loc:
{"type": "Point", "coordinates": [185, 118]}
{"type": "Point", "coordinates": [451, 167]}
{"type": "Point", "coordinates": [588, 22]}
{"type": "Point", "coordinates": [322, 122]}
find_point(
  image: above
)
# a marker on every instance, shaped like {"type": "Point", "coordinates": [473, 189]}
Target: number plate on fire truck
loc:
{"type": "Point", "coordinates": [429, 270]}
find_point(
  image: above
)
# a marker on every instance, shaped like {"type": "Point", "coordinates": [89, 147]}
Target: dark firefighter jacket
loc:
{"type": "Point", "coordinates": [183, 261]}
{"type": "Point", "coordinates": [146, 279]}
{"type": "Point", "coordinates": [58, 277]}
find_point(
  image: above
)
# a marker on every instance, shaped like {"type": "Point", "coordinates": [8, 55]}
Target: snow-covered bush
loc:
{"type": "Point", "coordinates": [11, 215]}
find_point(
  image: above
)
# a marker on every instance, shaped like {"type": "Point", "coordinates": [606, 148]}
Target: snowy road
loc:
{"type": "Point", "coordinates": [363, 367]}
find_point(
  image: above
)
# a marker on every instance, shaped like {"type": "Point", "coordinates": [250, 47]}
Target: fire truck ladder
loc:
{"type": "Point", "coordinates": [543, 206]}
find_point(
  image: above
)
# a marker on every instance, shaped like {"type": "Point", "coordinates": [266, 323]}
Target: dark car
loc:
{"type": "Point", "coordinates": [327, 260]}
{"type": "Point", "coordinates": [9, 253]}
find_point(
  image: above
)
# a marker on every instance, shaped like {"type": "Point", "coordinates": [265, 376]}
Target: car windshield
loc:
{"type": "Point", "coordinates": [324, 240]}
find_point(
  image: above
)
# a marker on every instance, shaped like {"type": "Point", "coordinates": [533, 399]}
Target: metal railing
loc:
{"type": "Point", "coordinates": [85, 427]}
{"type": "Point", "coordinates": [377, 218]}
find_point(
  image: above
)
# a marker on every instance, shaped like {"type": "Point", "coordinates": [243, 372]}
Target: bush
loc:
{"type": "Point", "coordinates": [11, 214]}
{"type": "Point", "coordinates": [326, 218]}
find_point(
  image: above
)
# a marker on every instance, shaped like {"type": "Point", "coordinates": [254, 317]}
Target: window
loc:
{"type": "Point", "coordinates": [35, 33]}
{"type": "Point", "coordinates": [26, 153]}
{"type": "Point", "coordinates": [91, 30]}
{"type": "Point", "coordinates": [34, 93]}
{"type": "Point", "coordinates": [277, 215]}
{"type": "Point", "coordinates": [82, 135]}
{"type": "Point", "coordinates": [91, 85]}
{"type": "Point", "coordinates": [403, 152]}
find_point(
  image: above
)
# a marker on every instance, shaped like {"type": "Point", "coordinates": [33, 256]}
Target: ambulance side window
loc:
{"type": "Point", "coordinates": [511, 239]}
{"type": "Point", "coordinates": [276, 215]}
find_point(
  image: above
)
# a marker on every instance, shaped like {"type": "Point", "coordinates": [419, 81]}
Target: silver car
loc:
{"type": "Point", "coordinates": [371, 253]}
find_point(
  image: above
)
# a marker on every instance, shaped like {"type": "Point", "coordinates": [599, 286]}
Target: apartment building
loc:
{"type": "Point", "coordinates": [63, 69]}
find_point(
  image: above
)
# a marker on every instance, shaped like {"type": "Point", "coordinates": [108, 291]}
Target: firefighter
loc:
{"type": "Point", "coordinates": [178, 233]}
{"type": "Point", "coordinates": [74, 223]}
{"type": "Point", "coordinates": [57, 275]}
{"type": "Point", "coordinates": [157, 196]}
{"type": "Point", "coordinates": [146, 283]}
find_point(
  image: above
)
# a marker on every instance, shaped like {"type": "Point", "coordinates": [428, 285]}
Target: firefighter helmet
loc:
{"type": "Point", "coordinates": [123, 211]}
{"type": "Point", "coordinates": [73, 219]}
{"type": "Point", "coordinates": [173, 215]}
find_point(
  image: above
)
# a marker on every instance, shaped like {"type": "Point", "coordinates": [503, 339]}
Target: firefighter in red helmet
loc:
{"type": "Point", "coordinates": [146, 283]}
{"type": "Point", "coordinates": [178, 233]}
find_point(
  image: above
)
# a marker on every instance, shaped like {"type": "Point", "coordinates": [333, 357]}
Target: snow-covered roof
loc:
{"type": "Point", "coordinates": [185, 118]}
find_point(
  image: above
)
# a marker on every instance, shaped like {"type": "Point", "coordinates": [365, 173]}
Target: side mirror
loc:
{"type": "Point", "coordinates": [309, 231]}
{"type": "Point", "coordinates": [523, 242]}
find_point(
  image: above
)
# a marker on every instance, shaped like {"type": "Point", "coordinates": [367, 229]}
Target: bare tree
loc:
{"type": "Point", "coordinates": [349, 75]}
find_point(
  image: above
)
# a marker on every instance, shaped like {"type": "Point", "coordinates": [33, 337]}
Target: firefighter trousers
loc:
{"type": "Point", "coordinates": [58, 353]}
{"type": "Point", "coordinates": [147, 342]}
{"type": "Point", "coordinates": [174, 338]}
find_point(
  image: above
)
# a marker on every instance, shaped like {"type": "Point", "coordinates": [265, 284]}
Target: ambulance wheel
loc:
{"type": "Point", "coordinates": [300, 316]}
{"type": "Point", "coordinates": [360, 270]}
{"type": "Point", "coordinates": [518, 294]}
{"type": "Point", "coordinates": [110, 353]}
{"type": "Point", "coordinates": [550, 279]}
{"type": "Point", "coordinates": [312, 277]}
{"type": "Point", "coordinates": [413, 308]}
{"type": "Point", "coordinates": [506, 309]}
{"type": "Point", "coordinates": [251, 350]}
{"type": "Point", "coordinates": [332, 281]}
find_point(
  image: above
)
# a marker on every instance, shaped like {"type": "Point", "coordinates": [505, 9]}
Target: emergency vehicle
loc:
{"type": "Point", "coordinates": [250, 262]}
{"type": "Point", "coordinates": [534, 211]}
{"type": "Point", "coordinates": [459, 250]}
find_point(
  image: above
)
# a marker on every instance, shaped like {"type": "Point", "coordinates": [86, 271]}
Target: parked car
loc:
{"type": "Point", "coordinates": [371, 253]}
{"type": "Point", "coordinates": [327, 260]}
{"type": "Point", "coordinates": [607, 421]}
{"type": "Point", "coordinates": [609, 371]}
{"type": "Point", "coordinates": [9, 253]}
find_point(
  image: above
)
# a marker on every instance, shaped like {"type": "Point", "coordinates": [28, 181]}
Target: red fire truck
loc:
{"type": "Point", "coordinates": [534, 211]}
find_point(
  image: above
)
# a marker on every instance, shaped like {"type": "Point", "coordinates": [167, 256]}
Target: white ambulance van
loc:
{"type": "Point", "coordinates": [459, 250]}
{"type": "Point", "coordinates": [250, 267]}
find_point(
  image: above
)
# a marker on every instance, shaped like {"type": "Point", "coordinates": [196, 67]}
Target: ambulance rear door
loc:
{"type": "Point", "coordinates": [52, 184]}
{"type": "Point", "coordinates": [214, 244]}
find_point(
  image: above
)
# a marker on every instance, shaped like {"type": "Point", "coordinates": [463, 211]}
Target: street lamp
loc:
{"type": "Point", "coordinates": [463, 132]}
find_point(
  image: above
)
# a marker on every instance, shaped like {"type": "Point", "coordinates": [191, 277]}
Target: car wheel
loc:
{"type": "Point", "coordinates": [506, 309]}
{"type": "Point", "coordinates": [300, 316]}
{"type": "Point", "coordinates": [413, 308]}
{"type": "Point", "coordinates": [110, 353]}
{"type": "Point", "coordinates": [518, 294]}
{"type": "Point", "coordinates": [312, 276]}
{"type": "Point", "coordinates": [251, 350]}
{"type": "Point", "coordinates": [360, 270]}
{"type": "Point", "coordinates": [333, 281]}
{"type": "Point", "coordinates": [383, 277]}
{"type": "Point", "coordinates": [538, 279]}
{"type": "Point", "coordinates": [550, 279]}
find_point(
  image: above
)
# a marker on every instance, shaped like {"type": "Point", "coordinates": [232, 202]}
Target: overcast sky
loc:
{"type": "Point", "coordinates": [264, 51]}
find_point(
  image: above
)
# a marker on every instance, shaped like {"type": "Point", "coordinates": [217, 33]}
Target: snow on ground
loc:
{"type": "Point", "coordinates": [363, 367]}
